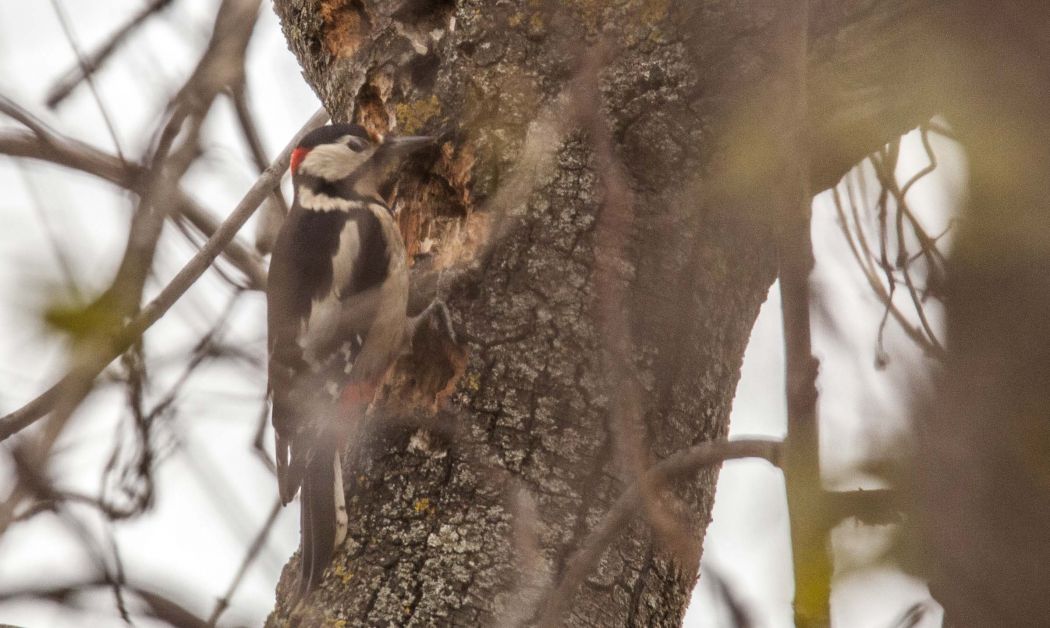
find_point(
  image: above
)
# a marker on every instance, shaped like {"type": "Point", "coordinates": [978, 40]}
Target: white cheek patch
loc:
{"type": "Point", "coordinates": [332, 161]}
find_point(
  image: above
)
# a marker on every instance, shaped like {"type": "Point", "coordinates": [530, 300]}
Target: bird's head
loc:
{"type": "Point", "coordinates": [344, 162]}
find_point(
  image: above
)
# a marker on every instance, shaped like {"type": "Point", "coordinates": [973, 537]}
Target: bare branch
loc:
{"type": "Point", "coordinates": [47, 145]}
{"type": "Point", "coordinates": [160, 606]}
{"type": "Point", "coordinates": [221, 66]}
{"type": "Point", "coordinates": [740, 616]}
{"type": "Point", "coordinates": [89, 64]}
{"type": "Point", "coordinates": [9, 108]}
{"type": "Point", "coordinates": [276, 208]}
{"type": "Point", "coordinates": [63, 19]}
{"type": "Point", "coordinates": [793, 206]}
{"type": "Point", "coordinates": [928, 245]}
{"type": "Point", "coordinates": [258, 447]}
{"type": "Point", "coordinates": [873, 280]}
{"type": "Point", "coordinates": [151, 313]}
{"type": "Point", "coordinates": [253, 550]}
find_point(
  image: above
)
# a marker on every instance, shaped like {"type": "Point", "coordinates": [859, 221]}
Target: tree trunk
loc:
{"type": "Point", "coordinates": [603, 298]}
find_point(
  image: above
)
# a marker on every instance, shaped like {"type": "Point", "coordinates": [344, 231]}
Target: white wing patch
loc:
{"type": "Point", "coordinates": [347, 257]}
{"type": "Point", "coordinates": [327, 313]}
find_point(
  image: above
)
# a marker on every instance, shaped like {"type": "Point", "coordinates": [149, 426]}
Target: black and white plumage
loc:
{"type": "Point", "coordinates": [336, 301]}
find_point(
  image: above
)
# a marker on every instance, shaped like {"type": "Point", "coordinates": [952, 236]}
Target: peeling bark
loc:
{"type": "Point", "coordinates": [437, 533]}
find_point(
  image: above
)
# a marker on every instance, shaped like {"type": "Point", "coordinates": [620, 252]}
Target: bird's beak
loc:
{"type": "Point", "coordinates": [404, 145]}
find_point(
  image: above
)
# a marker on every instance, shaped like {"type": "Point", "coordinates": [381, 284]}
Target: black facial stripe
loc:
{"type": "Point", "coordinates": [318, 185]}
{"type": "Point", "coordinates": [343, 188]}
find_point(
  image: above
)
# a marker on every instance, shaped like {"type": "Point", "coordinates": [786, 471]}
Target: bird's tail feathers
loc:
{"type": "Point", "coordinates": [323, 515]}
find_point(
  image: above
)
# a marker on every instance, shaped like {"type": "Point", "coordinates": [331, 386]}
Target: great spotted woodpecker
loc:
{"type": "Point", "coordinates": [337, 296]}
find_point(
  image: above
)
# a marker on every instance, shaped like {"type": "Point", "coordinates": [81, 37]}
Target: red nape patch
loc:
{"type": "Point", "coordinates": [297, 158]}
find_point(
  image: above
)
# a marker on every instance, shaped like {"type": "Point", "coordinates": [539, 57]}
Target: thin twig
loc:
{"type": "Point", "coordinates": [87, 65]}
{"type": "Point", "coordinates": [63, 19]}
{"type": "Point", "coordinates": [34, 483]}
{"type": "Point", "coordinates": [151, 313]}
{"type": "Point", "coordinates": [876, 285]}
{"type": "Point", "coordinates": [65, 265]}
{"type": "Point", "coordinates": [889, 185]}
{"type": "Point", "coordinates": [160, 607]}
{"type": "Point", "coordinates": [274, 211]}
{"type": "Point", "coordinates": [258, 447]}
{"type": "Point", "coordinates": [253, 550]}
{"type": "Point", "coordinates": [19, 114]}
{"type": "Point", "coordinates": [48, 145]}
{"type": "Point", "coordinates": [739, 615]}
{"type": "Point", "coordinates": [612, 233]}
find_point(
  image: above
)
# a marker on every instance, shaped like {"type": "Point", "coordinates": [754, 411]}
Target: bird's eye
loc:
{"type": "Point", "coordinates": [356, 144]}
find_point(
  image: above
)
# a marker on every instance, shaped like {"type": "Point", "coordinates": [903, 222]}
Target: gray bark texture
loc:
{"type": "Point", "coordinates": [591, 342]}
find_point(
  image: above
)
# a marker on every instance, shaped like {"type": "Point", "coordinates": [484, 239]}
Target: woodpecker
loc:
{"type": "Point", "coordinates": [336, 301]}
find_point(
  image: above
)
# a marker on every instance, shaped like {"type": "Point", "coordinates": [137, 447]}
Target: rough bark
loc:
{"type": "Point", "coordinates": [506, 442]}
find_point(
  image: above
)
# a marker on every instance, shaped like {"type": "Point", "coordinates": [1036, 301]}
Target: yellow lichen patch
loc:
{"type": "Point", "coordinates": [411, 116]}
{"type": "Point", "coordinates": [345, 26]}
{"type": "Point", "coordinates": [536, 24]}
{"type": "Point", "coordinates": [654, 11]}
{"type": "Point", "coordinates": [341, 572]}
{"type": "Point", "coordinates": [472, 382]}
{"type": "Point", "coordinates": [422, 506]}
{"type": "Point", "coordinates": [590, 12]}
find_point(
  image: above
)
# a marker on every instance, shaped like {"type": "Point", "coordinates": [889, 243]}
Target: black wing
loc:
{"type": "Point", "coordinates": [320, 260]}
{"type": "Point", "coordinates": [300, 272]}
{"type": "Point", "coordinates": [322, 263]}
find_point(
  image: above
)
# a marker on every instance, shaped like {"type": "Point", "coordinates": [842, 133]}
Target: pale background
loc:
{"type": "Point", "coordinates": [209, 505]}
